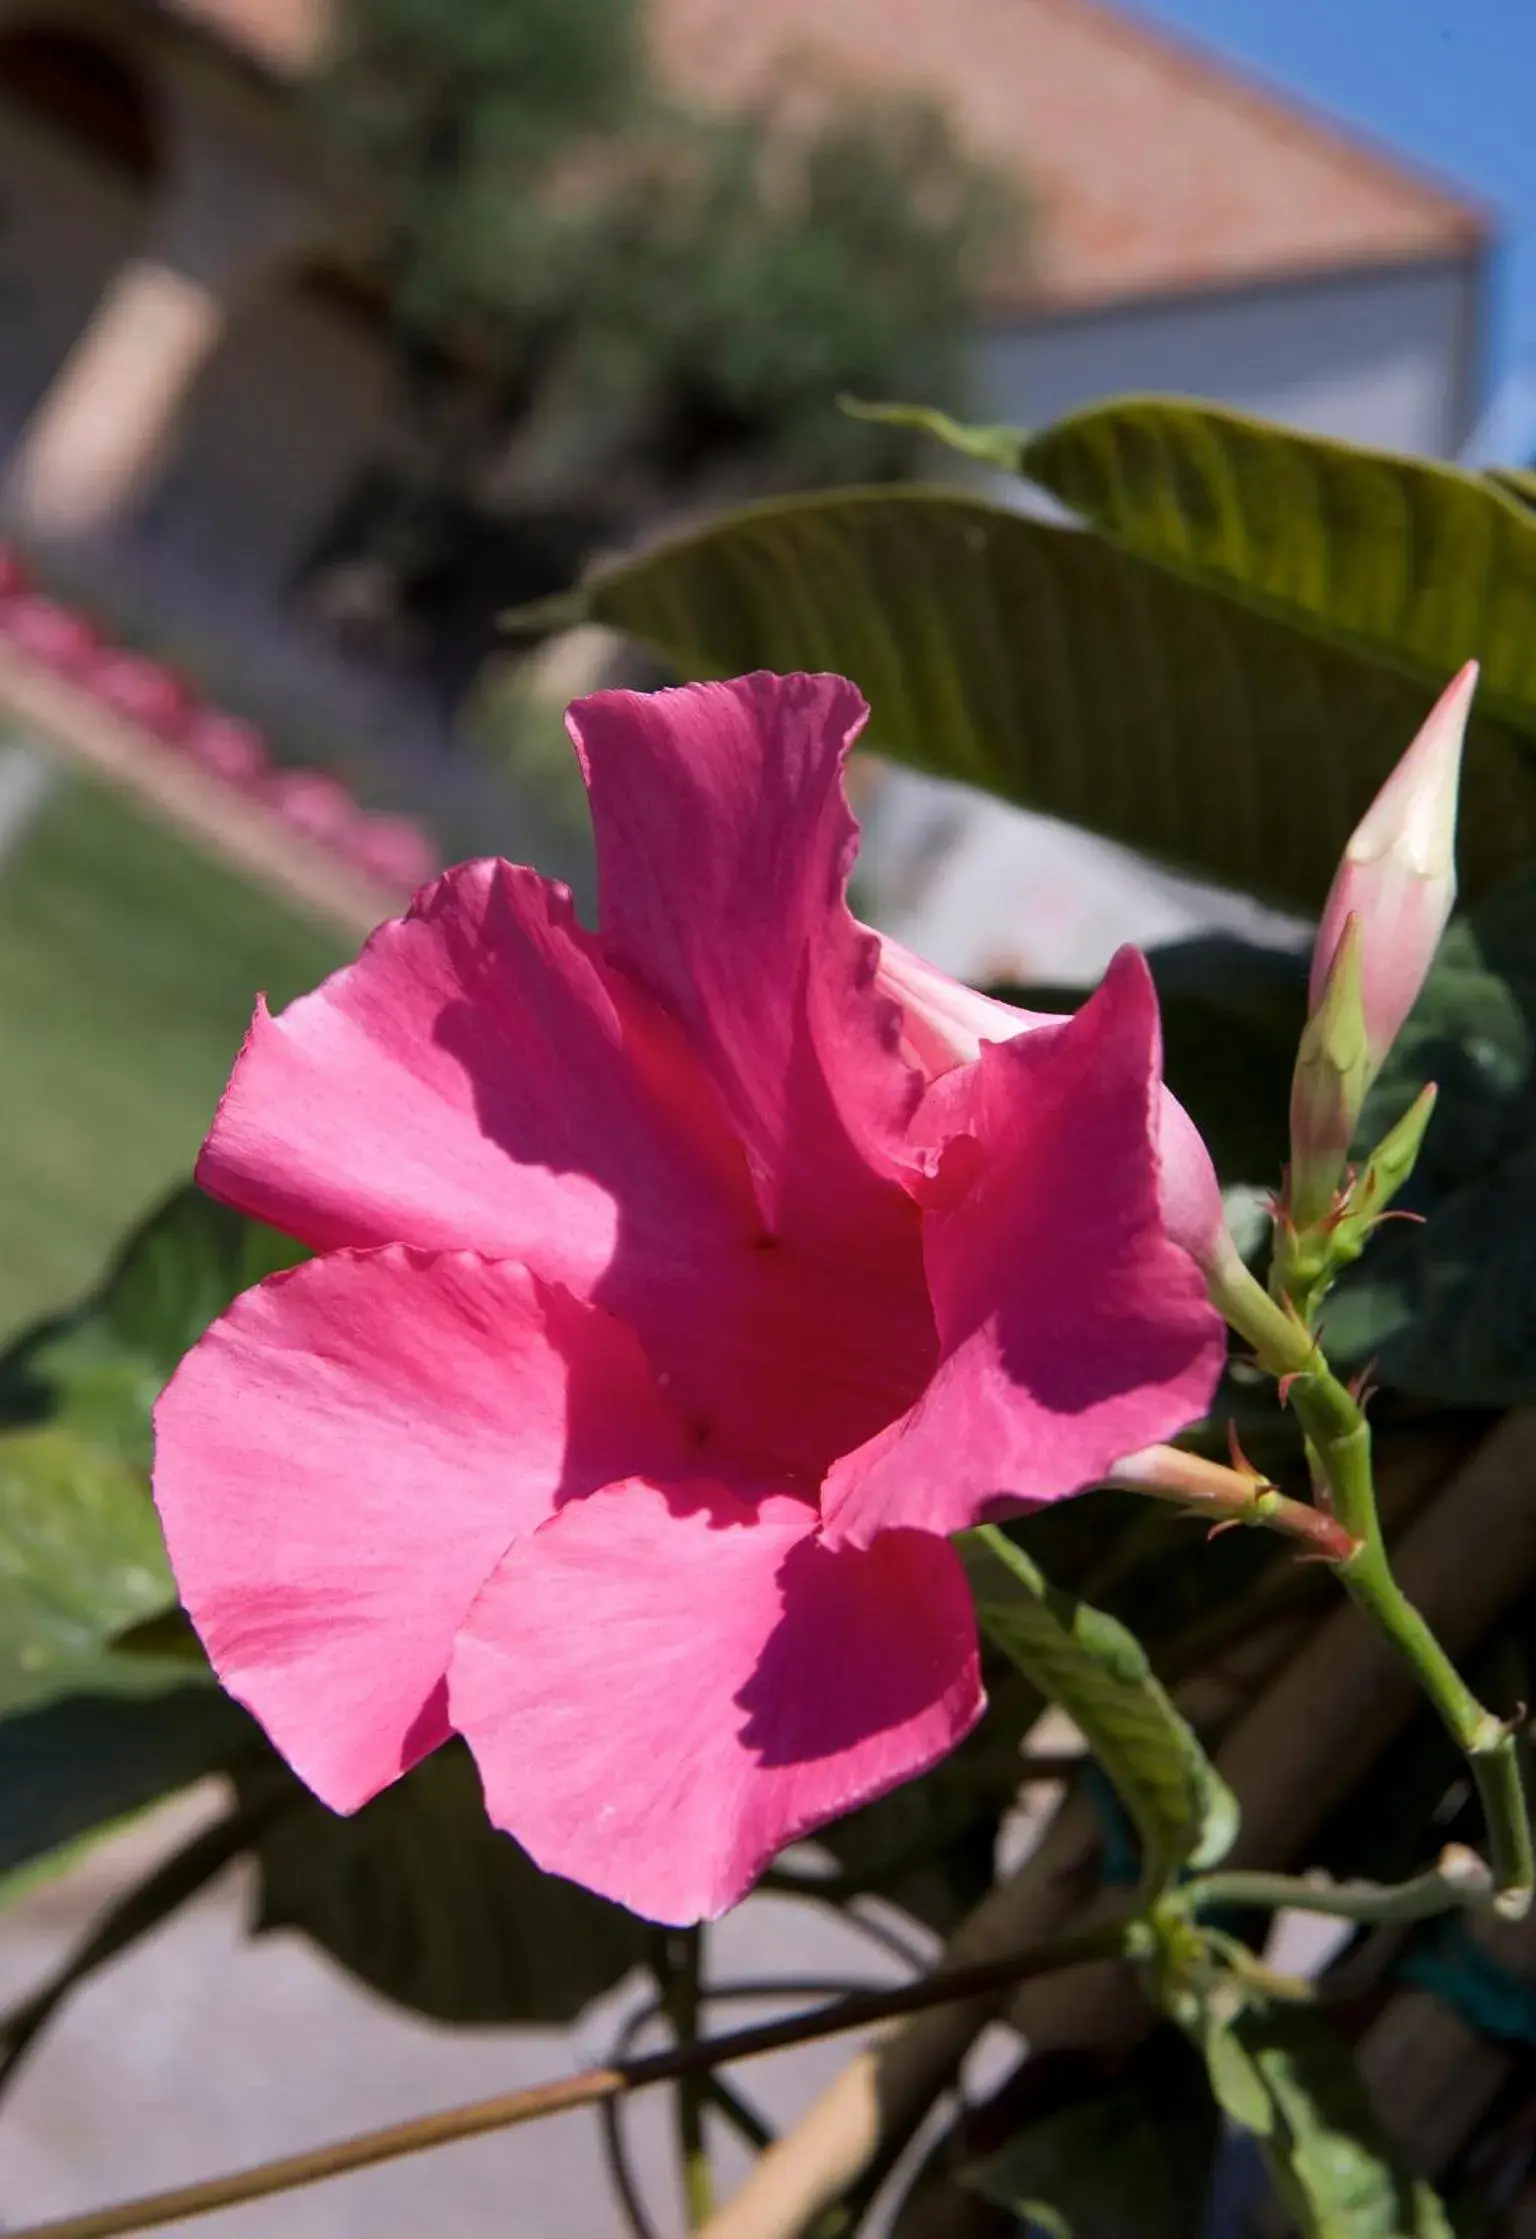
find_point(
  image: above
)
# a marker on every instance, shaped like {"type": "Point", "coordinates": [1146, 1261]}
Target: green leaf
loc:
{"type": "Point", "coordinates": [1052, 667]}
{"type": "Point", "coordinates": [1406, 562]}
{"type": "Point", "coordinates": [81, 1560]}
{"type": "Point", "coordinates": [74, 1767]}
{"type": "Point", "coordinates": [422, 1899]}
{"type": "Point", "coordinates": [1087, 1662]}
{"type": "Point", "coordinates": [102, 1366]}
{"type": "Point", "coordinates": [1325, 2149]}
{"type": "Point", "coordinates": [1129, 2160]}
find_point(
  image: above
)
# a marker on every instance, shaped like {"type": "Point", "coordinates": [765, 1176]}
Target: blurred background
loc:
{"type": "Point", "coordinates": [329, 333]}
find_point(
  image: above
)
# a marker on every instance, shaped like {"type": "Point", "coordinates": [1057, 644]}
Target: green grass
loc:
{"type": "Point", "coordinates": [129, 963]}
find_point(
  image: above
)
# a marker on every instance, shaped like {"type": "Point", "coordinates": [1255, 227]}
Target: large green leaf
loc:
{"type": "Point", "coordinates": [81, 1561]}
{"type": "Point", "coordinates": [1279, 2070]}
{"type": "Point", "coordinates": [102, 1365]}
{"type": "Point", "coordinates": [77, 1765]}
{"type": "Point", "coordinates": [423, 1900]}
{"type": "Point", "coordinates": [1064, 672]}
{"type": "Point", "coordinates": [1089, 1664]}
{"type": "Point", "coordinates": [1128, 2159]}
{"type": "Point", "coordinates": [1404, 561]}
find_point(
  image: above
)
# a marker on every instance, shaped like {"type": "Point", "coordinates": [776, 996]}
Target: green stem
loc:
{"type": "Point", "coordinates": [1460, 1878]}
{"type": "Point", "coordinates": [1339, 1441]}
{"type": "Point", "coordinates": [678, 1975]}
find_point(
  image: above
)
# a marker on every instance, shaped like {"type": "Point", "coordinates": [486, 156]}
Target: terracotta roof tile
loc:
{"type": "Point", "coordinates": [1149, 169]}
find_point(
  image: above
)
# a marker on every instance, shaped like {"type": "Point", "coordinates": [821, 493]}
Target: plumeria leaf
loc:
{"type": "Point", "coordinates": [1088, 1663]}
{"type": "Point", "coordinates": [72, 1768]}
{"type": "Point", "coordinates": [1404, 560]}
{"type": "Point", "coordinates": [1279, 2070]}
{"type": "Point", "coordinates": [102, 1365]}
{"type": "Point", "coordinates": [1126, 2159]}
{"type": "Point", "coordinates": [81, 1560]}
{"type": "Point", "coordinates": [1235, 738]}
{"type": "Point", "coordinates": [422, 1899]}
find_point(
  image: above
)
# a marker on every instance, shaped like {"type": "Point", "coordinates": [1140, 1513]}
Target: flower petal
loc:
{"type": "Point", "coordinates": [478, 1079]}
{"type": "Point", "coordinates": [344, 1458]}
{"type": "Point", "coordinates": [670, 1682]}
{"type": "Point", "coordinates": [481, 1078]}
{"type": "Point", "coordinates": [724, 843]}
{"type": "Point", "coordinates": [1072, 1328]}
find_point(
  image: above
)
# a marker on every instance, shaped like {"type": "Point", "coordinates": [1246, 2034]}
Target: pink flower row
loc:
{"type": "Point", "coordinates": [391, 849]}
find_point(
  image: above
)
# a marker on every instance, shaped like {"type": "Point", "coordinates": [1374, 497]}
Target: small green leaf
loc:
{"type": "Point", "coordinates": [81, 1560]}
{"type": "Point", "coordinates": [1236, 2081]}
{"type": "Point", "coordinates": [1129, 2159]}
{"type": "Point", "coordinates": [1325, 2149]}
{"type": "Point", "coordinates": [1086, 1661]}
{"type": "Point", "coordinates": [422, 1899]}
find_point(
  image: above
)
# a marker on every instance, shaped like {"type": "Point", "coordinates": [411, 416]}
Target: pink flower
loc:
{"type": "Point", "coordinates": [671, 1308]}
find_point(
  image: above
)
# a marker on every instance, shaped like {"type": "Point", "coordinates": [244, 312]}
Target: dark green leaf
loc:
{"type": "Point", "coordinates": [81, 1560]}
{"type": "Point", "coordinates": [423, 1900]}
{"type": "Point", "coordinates": [1132, 2160]}
{"type": "Point", "coordinates": [1054, 668]}
{"type": "Point", "coordinates": [1098, 1673]}
{"type": "Point", "coordinates": [1407, 562]}
{"type": "Point", "coordinates": [103, 1365]}
{"type": "Point", "coordinates": [76, 1766]}
{"type": "Point", "coordinates": [1324, 2146]}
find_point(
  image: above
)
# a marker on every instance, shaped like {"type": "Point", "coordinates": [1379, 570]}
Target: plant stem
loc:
{"type": "Point", "coordinates": [1459, 1878]}
{"type": "Point", "coordinates": [678, 1972]}
{"type": "Point", "coordinates": [1339, 1442]}
{"type": "Point", "coordinates": [504, 2112]}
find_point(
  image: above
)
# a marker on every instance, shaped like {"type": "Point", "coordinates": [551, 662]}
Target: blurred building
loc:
{"type": "Point", "coordinates": [195, 399]}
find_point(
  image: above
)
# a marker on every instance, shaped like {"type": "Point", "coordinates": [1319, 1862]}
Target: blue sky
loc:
{"type": "Point", "coordinates": [1450, 82]}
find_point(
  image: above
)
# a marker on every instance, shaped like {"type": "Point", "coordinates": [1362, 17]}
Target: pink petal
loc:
{"type": "Point", "coordinates": [945, 1024]}
{"type": "Point", "coordinates": [669, 1683]}
{"type": "Point", "coordinates": [724, 844]}
{"type": "Point", "coordinates": [481, 1078]}
{"type": "Point", "coordinates": [1072, 1328]}
{"type": "Point", "coordinates": [344, 1458]}
{"type": "Point", "coordinates": [477, 1079]}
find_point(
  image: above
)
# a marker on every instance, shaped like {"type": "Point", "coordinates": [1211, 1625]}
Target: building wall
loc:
{"type": "Point", "coordinates": [66, 224]}
{"type": "Point", "coordinates": [1375, 357]}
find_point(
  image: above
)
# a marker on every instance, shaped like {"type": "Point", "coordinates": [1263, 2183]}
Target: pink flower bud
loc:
{"type": "Point", "coordinates": [1398, 876]}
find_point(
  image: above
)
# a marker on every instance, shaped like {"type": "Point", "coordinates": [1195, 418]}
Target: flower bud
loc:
{"type": "Point", "coordinates": [1398, 876]}
{"type": "Point", "coordinates": [1328, 1089]}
